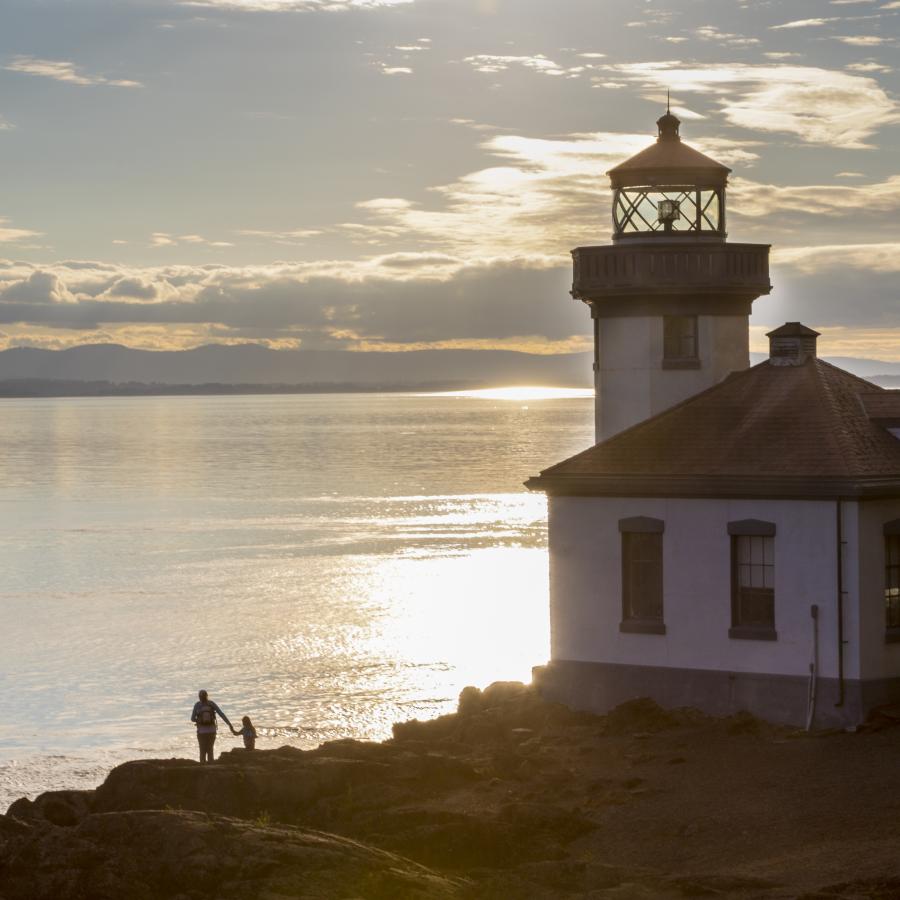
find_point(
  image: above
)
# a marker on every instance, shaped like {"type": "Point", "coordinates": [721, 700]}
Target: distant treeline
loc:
{"type": "Point", "coordinates": [49, 387]}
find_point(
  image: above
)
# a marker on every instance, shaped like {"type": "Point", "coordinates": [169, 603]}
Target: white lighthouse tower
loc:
{"type": "Point", "coordinates": [670, 298]}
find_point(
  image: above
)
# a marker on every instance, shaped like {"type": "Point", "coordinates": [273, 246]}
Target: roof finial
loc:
{"type": "Point", "coordinates": [668, 124]}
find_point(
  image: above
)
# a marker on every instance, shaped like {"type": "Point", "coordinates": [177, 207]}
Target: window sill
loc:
{"type": "Point", "coordinates": [681, 363]}
{"type": "Point", "coordinates": [892, 636]}
{"type": "Point", "coordinates": [642, 626]}
{"type": "Point", "coordinates": [746, 633]}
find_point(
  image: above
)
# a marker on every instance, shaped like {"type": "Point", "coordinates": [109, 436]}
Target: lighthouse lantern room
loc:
{"type": "Point", "coordinates": [669, 190]}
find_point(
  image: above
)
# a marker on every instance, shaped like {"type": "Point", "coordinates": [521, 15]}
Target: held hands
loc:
{"type": "Point", "coordinates": [235, 732]}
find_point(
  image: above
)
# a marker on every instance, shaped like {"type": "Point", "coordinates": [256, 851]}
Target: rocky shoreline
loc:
{"type": "Point", "coordinates": [510, 797]}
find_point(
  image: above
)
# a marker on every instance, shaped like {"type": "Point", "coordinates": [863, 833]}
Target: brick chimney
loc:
{"type": "Point", "coordinates": [791, 344]}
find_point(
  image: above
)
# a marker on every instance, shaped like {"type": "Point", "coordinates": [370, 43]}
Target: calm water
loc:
{"type": "Point", "coordinates": [326, 564]}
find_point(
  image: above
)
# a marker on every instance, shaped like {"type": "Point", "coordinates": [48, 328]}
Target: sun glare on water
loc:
{"type": "Point", "coordinates": [523, 392]}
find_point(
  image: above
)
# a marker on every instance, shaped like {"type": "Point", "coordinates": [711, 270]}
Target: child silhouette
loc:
{"type": "Point", "coordinates": [248, 733]}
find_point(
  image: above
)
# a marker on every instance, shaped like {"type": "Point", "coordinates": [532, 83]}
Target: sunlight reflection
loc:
{"type": "Point", "coordinates": [523, 392]}
{"type": "Point", "coordinates": [453, 621]}
{"type": "Point", "coordinates": [403, 635]}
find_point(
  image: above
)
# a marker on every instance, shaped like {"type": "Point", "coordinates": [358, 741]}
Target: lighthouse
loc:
{"type": "Point", "coordinates": [670, 297]}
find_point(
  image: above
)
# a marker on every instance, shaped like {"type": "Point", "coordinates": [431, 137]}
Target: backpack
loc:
{"type": "Point", "coordinates": [206, 715]}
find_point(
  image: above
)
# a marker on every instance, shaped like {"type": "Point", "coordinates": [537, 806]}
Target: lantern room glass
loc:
{"type": "Point", "coordinates": [648, 210]}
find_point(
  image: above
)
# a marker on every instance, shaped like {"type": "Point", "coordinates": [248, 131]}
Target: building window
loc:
{"type": "Point", "coordinates": [752, 580]}
{"type": "Point", "coordinates": [892, 580]}
{"type": "Point", "coordinates": [680, 342]}
{"type": "Point", "coordinates": [642, 575]}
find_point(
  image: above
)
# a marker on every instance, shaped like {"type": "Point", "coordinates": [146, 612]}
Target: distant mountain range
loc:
{"type": "Point", "coordinates": [217, 368]}
{"type": "Point", "coordinates": [251, 364]}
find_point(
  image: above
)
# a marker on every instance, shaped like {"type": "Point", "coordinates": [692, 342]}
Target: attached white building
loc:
{"type": "Point", "coordinates": [739, 551]}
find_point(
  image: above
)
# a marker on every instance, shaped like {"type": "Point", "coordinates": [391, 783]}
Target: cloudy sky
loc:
{"type": "Point", "coordinates": [390, 174]}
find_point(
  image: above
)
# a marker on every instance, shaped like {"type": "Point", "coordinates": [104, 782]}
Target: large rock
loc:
{"type": "Point", "coordinates": [314, 788]}
{"type": "Point", "coordinates": [162, 854]}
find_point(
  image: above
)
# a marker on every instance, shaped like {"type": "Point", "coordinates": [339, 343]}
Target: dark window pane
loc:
{"type": "Point", "coordinates": [680, 337]}
{"type": "Point", "coordinates": [892, 549]}
{"type": "Point", "coordinates": [642, 585]}
{"type": "Point", "coordinates": [753, 602]}
{"type": "Point", "coordinates": [892, 612]}
{"type": "Point", "coordinates": [756, 550]}
{"type": "Point", "coordinates": [757, 607]}
{"type": "Point", "coordinates": [892, 580]}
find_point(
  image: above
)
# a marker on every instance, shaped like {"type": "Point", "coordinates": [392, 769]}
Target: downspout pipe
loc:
{"type": "Point", "coordinates": [839, 553]}
{"type": "Point", "coordinates": [596, 323]}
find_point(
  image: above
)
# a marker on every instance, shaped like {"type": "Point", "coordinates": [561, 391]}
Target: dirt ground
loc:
{"type": "Point", "coordinates": [792, 813]}
{"type": "Point", "coordinates": [686, 805]}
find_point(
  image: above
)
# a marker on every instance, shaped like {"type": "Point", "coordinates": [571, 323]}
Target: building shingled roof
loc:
{"type": "Point", "coordinates": [771, 430]}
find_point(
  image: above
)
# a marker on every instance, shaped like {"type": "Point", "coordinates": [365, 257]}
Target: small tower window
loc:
{"type": "Point", "coordinates": [680, 348]}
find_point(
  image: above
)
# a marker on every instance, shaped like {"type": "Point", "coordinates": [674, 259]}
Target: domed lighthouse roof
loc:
{"type": "Point", "coordinates": [669, 162]}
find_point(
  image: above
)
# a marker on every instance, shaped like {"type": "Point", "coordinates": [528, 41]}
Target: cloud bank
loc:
{"type": "Point", "coordinates": [819, 106]}
{"type": "Point", "coordinates": [402, 301]}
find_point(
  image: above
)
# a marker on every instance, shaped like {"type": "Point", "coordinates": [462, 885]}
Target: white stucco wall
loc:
{"type": "Point", "coordinates": [880, 659]}
{"type": "Point", "coordinates": [632, 384]}
{"type": "Point", "coordinates": [586, 589]}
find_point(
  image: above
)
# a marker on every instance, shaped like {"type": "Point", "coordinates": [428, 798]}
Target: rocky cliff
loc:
{"type": "Point", "coordinates": [509, 798]}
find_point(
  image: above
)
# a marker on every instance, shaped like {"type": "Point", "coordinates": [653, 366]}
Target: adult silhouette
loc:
{"type": "Point", "coordinates": [204, 717]}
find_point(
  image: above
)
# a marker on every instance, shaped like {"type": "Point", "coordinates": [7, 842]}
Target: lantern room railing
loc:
{"type": "Point", "coordinates": [709, 268]}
